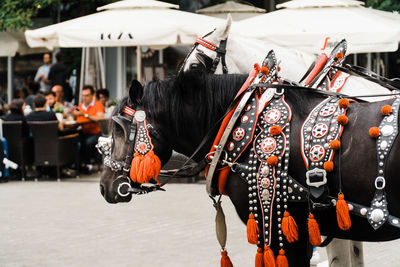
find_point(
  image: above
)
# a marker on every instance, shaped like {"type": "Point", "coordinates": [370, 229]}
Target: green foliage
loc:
{"type": "Point", "coordinates": [15, 15]}
{"type": "Point", "coordinates": [386, 5]}
{"type": "Point", "coordinates": [59, 109]}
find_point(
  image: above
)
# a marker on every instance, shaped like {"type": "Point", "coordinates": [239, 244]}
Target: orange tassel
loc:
{"type": "Point", "coordinates": [342, 213]}
{"type": "Point", "coordinates": [335, 144]}
{"type": "Point", "coordinates": [329, 166]}
{"type": "Point", "coordinates": [275, 130]}
{"type": "Point", "coordinates": [259, 258]}
{"type": "Point", "coordinates": [257, 67]}
{"type": "Point", "coordinates": [225, 260]}
{"type": "Point", "coordinates": [252, 230]}
{"type": "Point", "coordinates": [269, 258]}
{"type": "Point", "coordinates": [314, 234]}
{"type": "Point", "coordinates": [374, 132]}
{"type": "Point", "coordinates": [289, 228]}
{"type": "Point", "coordinates": [144, 168]}
{"type": "Point", "coordinates": [281, 260]}
{"type": "Point", "coordinates": [151, 165]}
{"type": "Point", "coordinates": [135, 167]}
{"type": "Point", "coordinates": [386, 109]}
{"type": "Point", "coordinates": [344, 103]}
{"type": "Point", "coordinates": [264, 70]}
{"type": "Point", "coordinates": [272, 160]}
{"type": "Point", "coordinates": [342, 119]}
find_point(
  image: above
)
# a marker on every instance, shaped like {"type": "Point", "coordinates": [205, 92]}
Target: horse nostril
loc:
{"type": "Point", "coordinates": [102, 190]}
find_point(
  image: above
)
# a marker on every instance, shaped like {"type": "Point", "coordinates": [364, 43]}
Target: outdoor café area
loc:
{"type": "Point", "coordinates": [47, 151]}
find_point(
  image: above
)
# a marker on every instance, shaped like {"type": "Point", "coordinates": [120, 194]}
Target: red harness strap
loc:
{"type": "Point", "coordinates": [317, 68]}
{"type": "Point", "coordinates": [205, 43]}
{"type": "Point", "coordinates": [224, 172]}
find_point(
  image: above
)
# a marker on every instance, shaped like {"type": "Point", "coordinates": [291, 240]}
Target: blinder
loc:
{"type": "Point", "coordinates": [204, 59]}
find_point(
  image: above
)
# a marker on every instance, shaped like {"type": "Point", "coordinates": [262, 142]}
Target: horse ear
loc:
{"type": "Point", "coordinates": [223, 32]}
{"type": "Point", "coordinates": [135, 92]}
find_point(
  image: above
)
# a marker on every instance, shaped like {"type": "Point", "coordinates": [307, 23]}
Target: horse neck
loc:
{"type": "Point", "coordinates": [195, 109]}
{"type": "Point", "coordinates": [243, 53]}
{"type": "Point", "coordinates": [360, 86]}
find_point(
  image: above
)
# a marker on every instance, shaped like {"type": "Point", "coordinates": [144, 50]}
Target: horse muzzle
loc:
{"type": "Point", "coordinates": [124, 187]}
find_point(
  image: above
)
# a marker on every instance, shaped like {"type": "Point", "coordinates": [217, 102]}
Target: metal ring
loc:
{"type": "Point", "coordinates": [279, 93]}
{"type": "Point", "coordinates": [382, 180]}
{"type": "Point", "coordinates": [119, 189]}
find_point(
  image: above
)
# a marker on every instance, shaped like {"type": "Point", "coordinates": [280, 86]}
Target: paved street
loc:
{"type": "Point", "coordinates": [68, 223]}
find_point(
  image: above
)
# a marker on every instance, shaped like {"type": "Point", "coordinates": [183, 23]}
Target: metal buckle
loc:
{"type": "Point", "coordinates": [380, 179]}
{"type": "Point", "coordinates": [315, 172]}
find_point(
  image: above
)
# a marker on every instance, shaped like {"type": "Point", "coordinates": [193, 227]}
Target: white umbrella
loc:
{"type": "Point", "coordinates": [237, 10]}
{"type": "Point", "coordinates": [304, 24]}
{"type": "Point", "coordinates": [126, 23]}
{"type": "Point", "coordinates": [8, 45]}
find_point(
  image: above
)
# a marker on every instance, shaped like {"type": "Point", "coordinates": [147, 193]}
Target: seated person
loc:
{"type": "Point", "coordinates": [50, 100]}
{"type": "Point", "coordinates": [40, 113]}
{"type": "Point", "coordinates": [103, 96]}
{"type": "Point", "coordinates": [16, 113]}
{"type": "Point", "coordinates": [67, 107]}
{"type": "Point", "coordinates": [88, 113]}
{"type": "Point", "coordinates": [33, 89]}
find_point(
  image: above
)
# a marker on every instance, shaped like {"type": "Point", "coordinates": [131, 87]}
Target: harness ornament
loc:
{"type": "Point", "coordinates": [258, 152]}
{"type": "Point", "coordinates": [265, 166]}
{"type": "Point", "coordinates": [378, 213]}
{"type": "Point", "coordinates": [144, 165]}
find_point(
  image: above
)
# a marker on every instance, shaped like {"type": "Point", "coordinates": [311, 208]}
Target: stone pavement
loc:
{"type": "Point", "coordinates": [68, 223]}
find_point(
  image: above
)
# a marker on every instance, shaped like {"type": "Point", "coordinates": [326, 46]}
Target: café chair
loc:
{"type": "Point", "coordinates": [20, 146]}
{"type": "Point", "coordinates": [50, 149]}
{"type": "Point", "coordinates": [104, 127]}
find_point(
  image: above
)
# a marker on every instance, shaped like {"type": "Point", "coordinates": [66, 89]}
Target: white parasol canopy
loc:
{"type": "Point", "coordinates": [305, 24]}
{"type": "Point", "coordinates": [237, 10]}
{"type": "Point", "coordinates": [126, 23]}
{"type": "Point", "coordinates": [8, 45]}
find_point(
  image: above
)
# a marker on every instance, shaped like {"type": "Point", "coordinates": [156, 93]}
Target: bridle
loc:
{"type": "Point", "coordinates": [220, 50]}
{"type": "Point", "coordinates": [136, 132]}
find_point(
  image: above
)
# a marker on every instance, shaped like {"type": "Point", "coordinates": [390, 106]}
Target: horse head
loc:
{"type": "Point", "coordinates": [135, 152]}
{"type": "Point", "coordinates": [208, 50]}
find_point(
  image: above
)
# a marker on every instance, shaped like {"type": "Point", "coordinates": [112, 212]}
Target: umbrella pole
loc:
{"type": "Point", "coordinates": [10, 71]}
{"type": "Point", "coordinates": [139, 63]}
{"type": "Point", "coordinates": [378, 65]}
{"type": "Point", "coordinates": [101, 65]}
{"type": "Point", "coordinates": [78, 90]}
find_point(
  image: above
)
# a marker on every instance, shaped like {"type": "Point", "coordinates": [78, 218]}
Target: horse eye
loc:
{"type": "Point", "coordinates": [118, 129]}
{"type": "Point", "coordinates": [194, 65]}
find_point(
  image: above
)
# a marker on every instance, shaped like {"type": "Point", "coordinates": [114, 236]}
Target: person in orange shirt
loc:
{"type": "Point", "coordinates": [89, 112]}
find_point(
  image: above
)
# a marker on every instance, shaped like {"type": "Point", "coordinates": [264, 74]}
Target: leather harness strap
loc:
{"type": "Point", "coordinates": [220, 50]}
{"type": "Point", "coordinates": [391, 84]}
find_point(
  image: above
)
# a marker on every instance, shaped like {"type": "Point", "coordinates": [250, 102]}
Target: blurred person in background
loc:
{"type": "Point", "coordinates": [22, 93]}
{"type": "Point", "coordinates": [50, 100]}
{"type": "Point", "coordinates": [58, 76]}
{"type": "Point", "coordinates": [33, 89]}
{"type": "Point", "coordinates": [66, 106]}
{"type": "Point", "coordinates": [43, 72]}
{"type": "Point", "coordinates": [103, 97]}
{"type": "Point", "coordinates": [89, 111]}
{"type": "Point", "coordinates": [16, 113]}
{"type": "Point", "coordinates": [40, 113]}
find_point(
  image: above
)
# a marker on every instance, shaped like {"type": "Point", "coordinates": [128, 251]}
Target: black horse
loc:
{"type": "Point", "coordinates": [183, 110]}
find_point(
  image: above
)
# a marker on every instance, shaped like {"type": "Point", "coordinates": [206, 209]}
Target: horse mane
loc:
{"type": "Point", "coordinates": [165, 100]}
{"type": "Point", "coordinates": [169, 99]}
{"type": "Point", "coordinates": [299, 99]}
